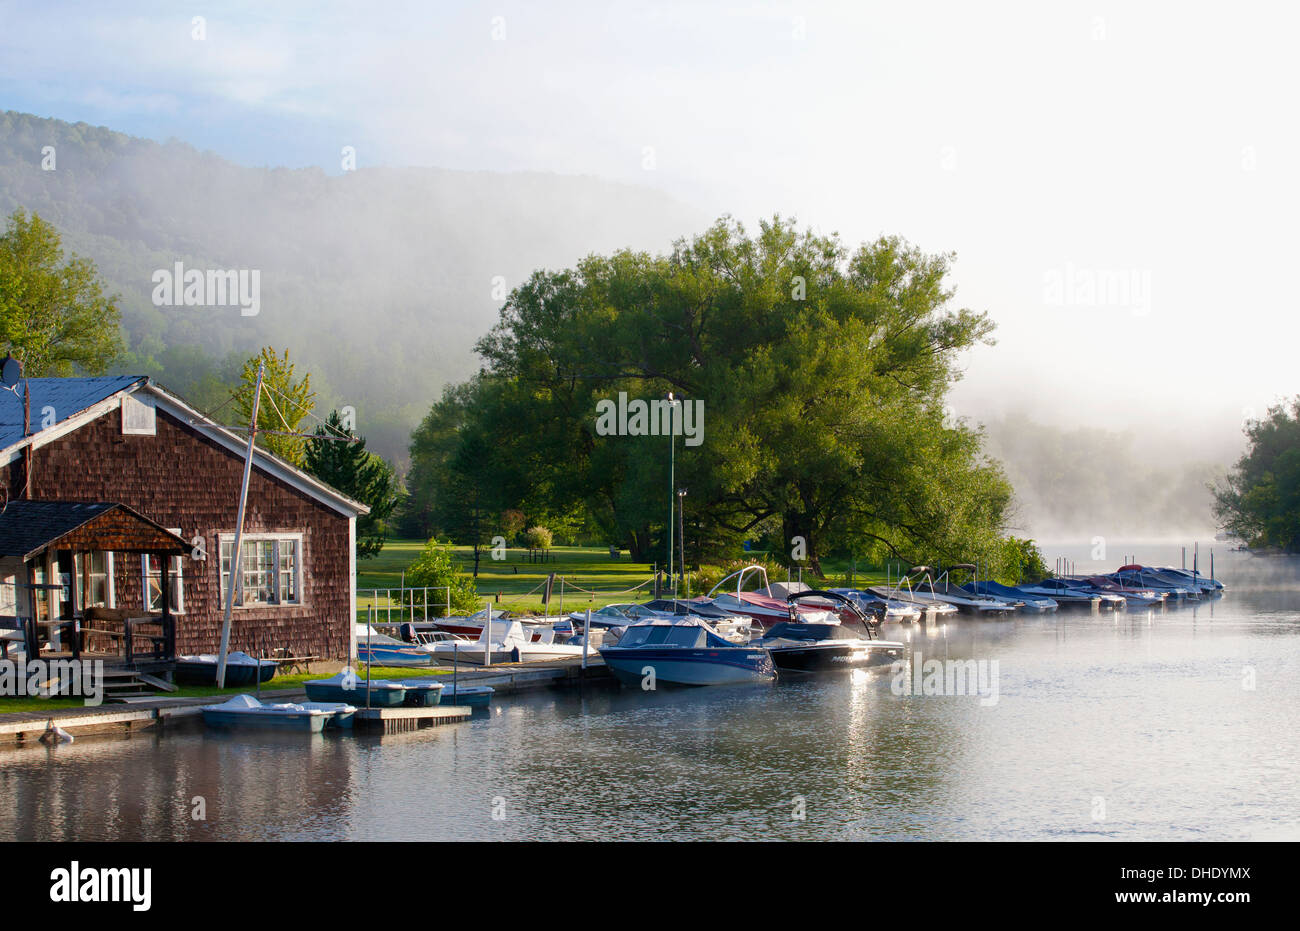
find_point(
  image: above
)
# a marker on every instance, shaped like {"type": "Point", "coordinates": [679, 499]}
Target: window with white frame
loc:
{"type": "Point", "coordinates": [271, 568]}
{"type": "Point", "coordinates": [153, 584]}
{"type": "Point", "coordinates": [93, 577]}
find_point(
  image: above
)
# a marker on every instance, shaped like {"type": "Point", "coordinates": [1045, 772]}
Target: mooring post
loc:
{"type": "Point", "coordinates": [586, 638]}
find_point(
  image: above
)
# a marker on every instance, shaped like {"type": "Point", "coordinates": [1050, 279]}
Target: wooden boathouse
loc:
{"type": "Point", "coordinates": [118, 506]}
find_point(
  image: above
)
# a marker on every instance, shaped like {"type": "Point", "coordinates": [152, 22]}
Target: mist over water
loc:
{"type": "Point", "coordinates": [1180, 723]}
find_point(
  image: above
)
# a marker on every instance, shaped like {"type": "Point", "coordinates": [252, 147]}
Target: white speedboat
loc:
{"type": "Point", "coordinates": [505, 642]}
{"type": "Point", "coordinates": [902, 612]}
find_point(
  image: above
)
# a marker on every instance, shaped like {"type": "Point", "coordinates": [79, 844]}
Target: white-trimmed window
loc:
{"type": "Point", "coordinates": [271, 565]}
{"type": "Point", "coordinates": [153, 584]}
{"type": "Point", "coordinates": [93, 576]}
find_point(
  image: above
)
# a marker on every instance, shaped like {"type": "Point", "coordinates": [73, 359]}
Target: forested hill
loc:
{"type": "Point", "coordinates": [378, 280]}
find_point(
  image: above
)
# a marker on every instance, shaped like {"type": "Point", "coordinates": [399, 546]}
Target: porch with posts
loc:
{"type": "Point", "coordinates": [46, 550]}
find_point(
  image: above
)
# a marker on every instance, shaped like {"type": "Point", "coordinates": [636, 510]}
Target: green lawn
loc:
{"type": "Point", "coordinates": [582, 567]}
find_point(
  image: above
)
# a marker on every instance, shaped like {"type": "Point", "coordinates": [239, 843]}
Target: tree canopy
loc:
{"type": "Point", "coordinates": [286, 400]}
{"type": "Point", "coordinates": [822, 373]}
{"type": "Point", "coordinates": [1260, 499]}
{"type": "Point", "coordinates": [359, 474]}
{"type": "Point", "coordinates": [54, 315]}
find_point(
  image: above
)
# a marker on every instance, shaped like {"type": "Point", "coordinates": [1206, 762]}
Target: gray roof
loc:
{"type": "Point", "coordinates": [65, 397]}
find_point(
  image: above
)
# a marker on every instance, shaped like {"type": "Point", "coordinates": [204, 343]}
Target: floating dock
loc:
{"type": "Point", "coordinates": [401, 720]}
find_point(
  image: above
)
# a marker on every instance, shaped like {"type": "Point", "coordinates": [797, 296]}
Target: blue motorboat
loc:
{"type": "Point", "coordinates": [381, 650]}
{"type": "Point", "coordinates": [684, 650]}
{"type": "Point", "coordinates": [245, 711]}
{"type": "Point", "coordinates": [1012, 595]}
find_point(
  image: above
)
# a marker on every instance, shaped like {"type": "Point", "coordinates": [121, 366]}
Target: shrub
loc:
{"type": "Point", "coordinates": [434, 568]}
{"type": "Point", "coordinates": [538, 538]}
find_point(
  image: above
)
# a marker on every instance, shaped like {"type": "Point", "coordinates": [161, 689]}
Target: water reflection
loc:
{"type": "Point", "coordinates": [1175, 723]}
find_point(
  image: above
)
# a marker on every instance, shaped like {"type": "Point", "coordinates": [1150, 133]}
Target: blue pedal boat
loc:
{"type": "Point", "coordinates": [470, 696]}
{"type": "Point", "coordinates": [246, 712]}
{"type": "Point", "coordinates": [351, 688]}
{"type": "Point", "coordinates": [423, 693]}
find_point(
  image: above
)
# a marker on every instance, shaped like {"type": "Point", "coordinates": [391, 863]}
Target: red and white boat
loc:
{"type": "Point", "coordinates": [765, 604]}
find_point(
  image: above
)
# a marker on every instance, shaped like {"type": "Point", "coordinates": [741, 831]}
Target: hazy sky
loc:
{"type": "Point", "coordinates": [1118, 180]}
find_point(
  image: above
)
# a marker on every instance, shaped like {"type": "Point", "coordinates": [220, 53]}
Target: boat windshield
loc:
{"type": "Point", "coordinates": [662, 635]}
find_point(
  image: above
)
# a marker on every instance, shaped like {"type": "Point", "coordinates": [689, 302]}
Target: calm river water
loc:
{"type": "Point", "coordinates": [1141, 726]}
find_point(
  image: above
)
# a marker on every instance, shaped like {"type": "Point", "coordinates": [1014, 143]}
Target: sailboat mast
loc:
{"type": "Point", "coordinates": [236, 570]}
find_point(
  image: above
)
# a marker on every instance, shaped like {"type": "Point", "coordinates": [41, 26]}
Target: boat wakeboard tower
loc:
{"type": "Point", "coordinates": [870, 621]}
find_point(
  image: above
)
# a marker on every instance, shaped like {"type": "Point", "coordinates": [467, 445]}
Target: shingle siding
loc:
{"type": "Point", "coordinates": [180, 478]}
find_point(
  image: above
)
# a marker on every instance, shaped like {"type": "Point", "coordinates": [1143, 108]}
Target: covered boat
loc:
{"type": "Point", "coordinates": [241, 669]}
{"type": "Point", "coordinates": [347, 686]}
{"type": "Point", "coordinates": [1012, 595]}
{"type": "Point", "coordinates": [684, 650]}
{"type": "Point", "coordinates": [245, 711]}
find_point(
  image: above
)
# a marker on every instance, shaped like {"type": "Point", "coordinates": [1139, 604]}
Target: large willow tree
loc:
{"type": "Point", "coordinates": [823, 374]}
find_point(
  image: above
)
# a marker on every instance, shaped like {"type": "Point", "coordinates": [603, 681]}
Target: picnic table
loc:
{"type": "Point", "coordinates": [289, 663]}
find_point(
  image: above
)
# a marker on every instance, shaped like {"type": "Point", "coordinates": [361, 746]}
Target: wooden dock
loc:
{"type": "Point", "coordinates": [152, 713]}
{"type": "Point", "coordinates": [401, 720]}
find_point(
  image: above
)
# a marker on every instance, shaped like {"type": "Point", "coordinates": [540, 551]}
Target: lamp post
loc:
{"type": "Point", "coordinates": [681, 526]}
{"type": "Point", "coordinates": [672, 479]}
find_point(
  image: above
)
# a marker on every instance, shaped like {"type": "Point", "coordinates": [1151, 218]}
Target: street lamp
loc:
{"type": "Point", "coordinates": [672, 477]}
{"type": "Point", "coordinates": [681, 526]}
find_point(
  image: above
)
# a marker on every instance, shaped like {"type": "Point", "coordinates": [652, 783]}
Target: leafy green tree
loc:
{"type": "Point", "coordinates": [434, 568]}
{"type": "Point", "coordinates": [1260, 499]}
{"type": "Point", "coordinates": [359, 474]}
{"type": "Point", "coordinates": [285, 402]}
{"type": "Point", "coordinates": [822, 371]}
{"type": "Point", "coordinates": [54, 315]}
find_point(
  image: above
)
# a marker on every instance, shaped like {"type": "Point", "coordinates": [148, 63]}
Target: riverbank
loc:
{"type": "Point", "coordinates": [26, 727]}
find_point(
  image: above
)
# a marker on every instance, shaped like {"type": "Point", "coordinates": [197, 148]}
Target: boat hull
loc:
{"type": "Point", "coordinates": [198, 672]}
{"type": "Point", "coordinates": [469, 696]}
{"type": "Point", "coordinates": [689, 667]}
{"type": "Point", "coordinates": [356, 695]}
{"type": "Point", "coordinates": [304, 722]}
{"type": "Point", "coordinates": [821, 658]}
{"type": "Point", "coordinates": [423, 694]}
{"type": "Point", "coordinates": [393, 656]}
